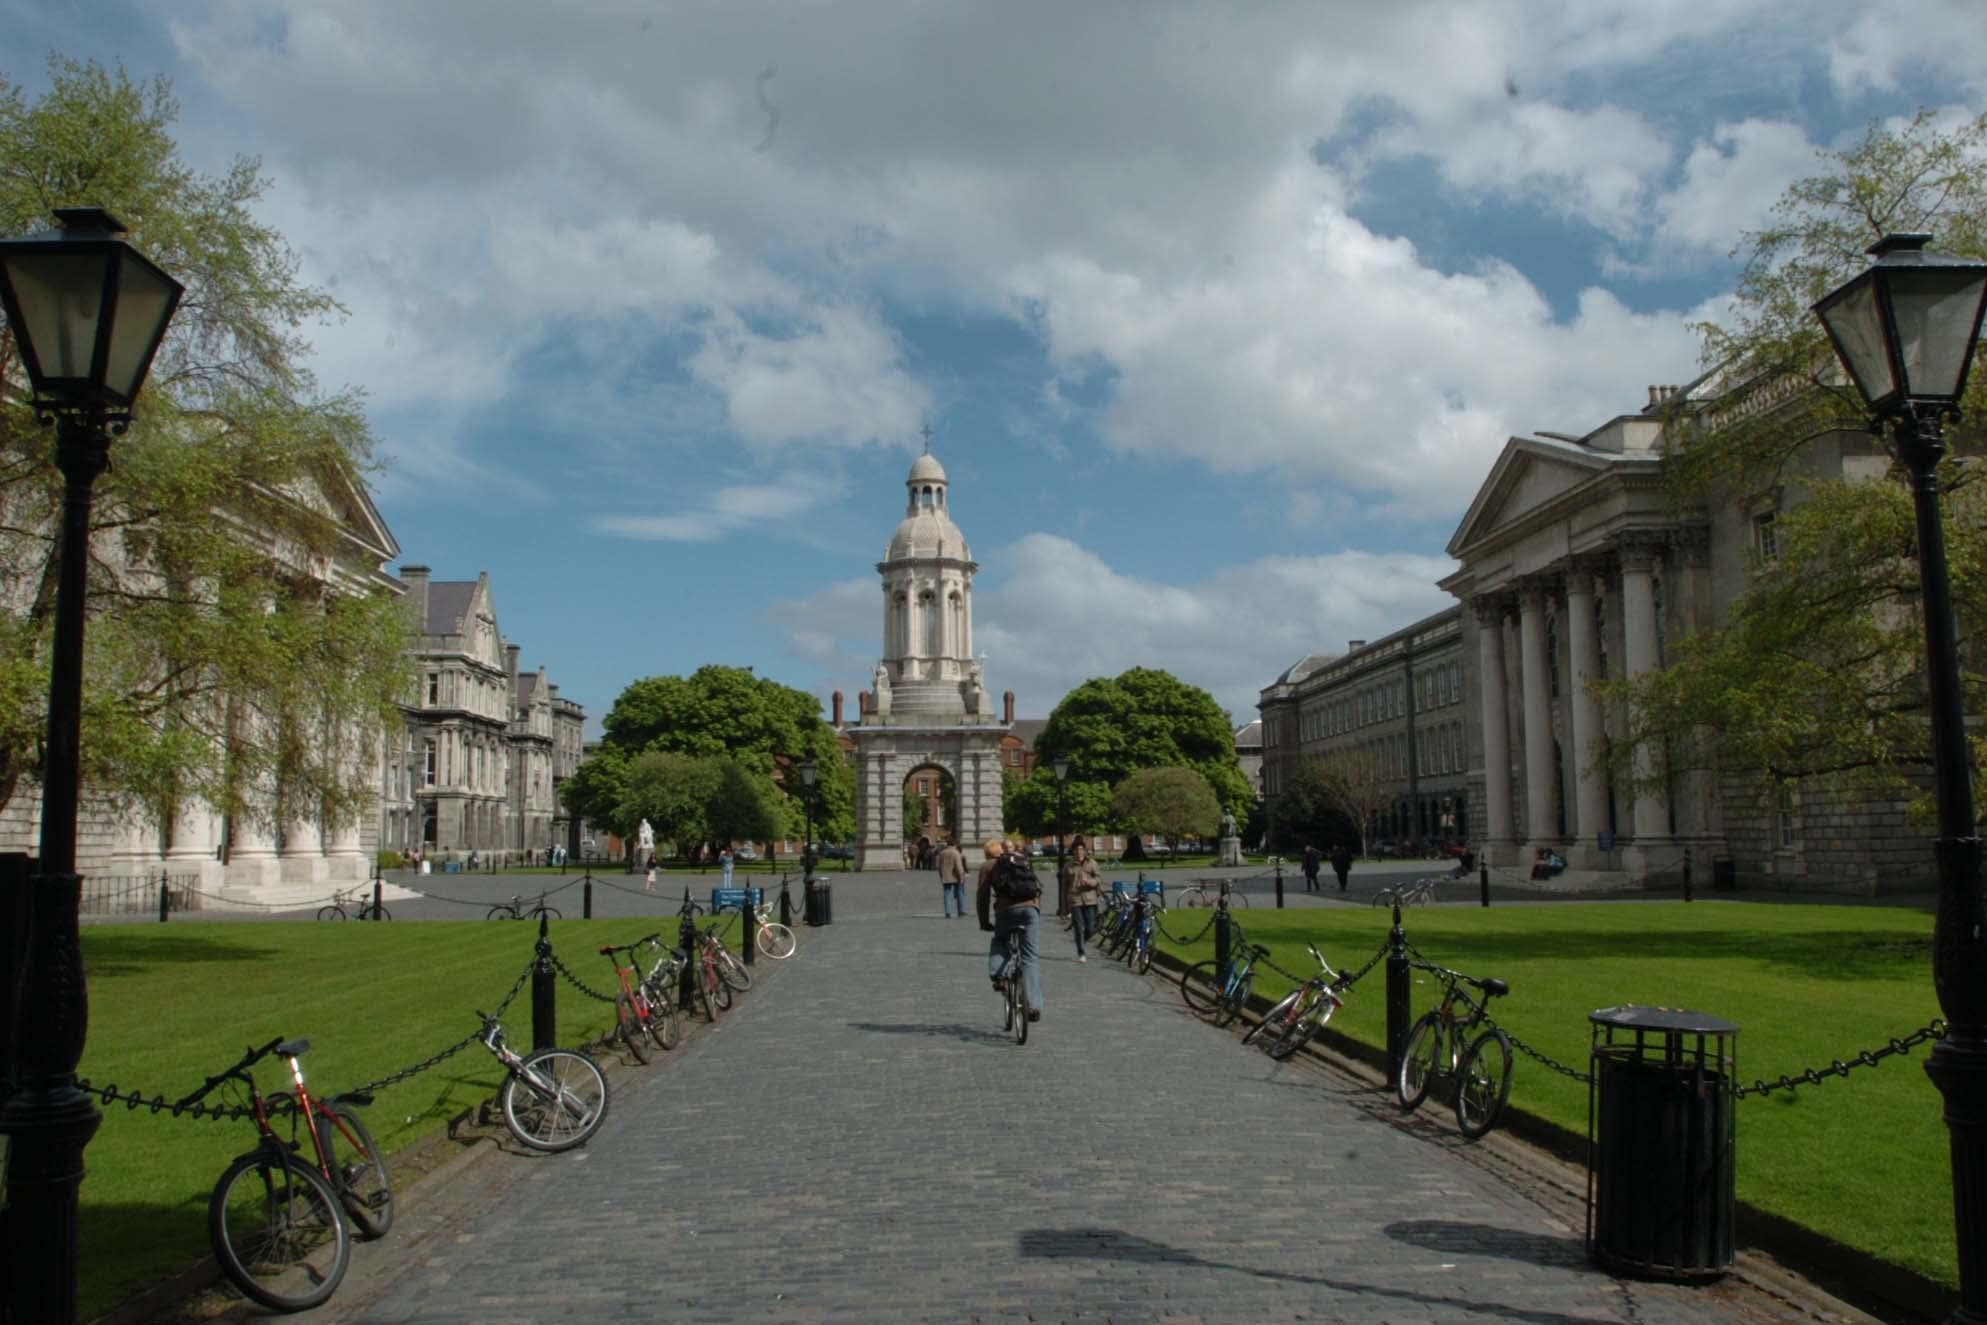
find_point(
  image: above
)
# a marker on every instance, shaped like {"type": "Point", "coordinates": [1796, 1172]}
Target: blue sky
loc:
{"type": "Point", "coordinates": [1218, 314]}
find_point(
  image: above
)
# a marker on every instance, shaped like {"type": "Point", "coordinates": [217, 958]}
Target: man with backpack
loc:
{"type": "Point", "coordinates": [1009, 888]}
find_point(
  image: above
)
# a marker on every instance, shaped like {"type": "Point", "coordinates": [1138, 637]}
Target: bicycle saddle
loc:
{"type": "Point", "coordinates": [1494, 988]}
{"type": "Point", "coordinates": [293, 1048]}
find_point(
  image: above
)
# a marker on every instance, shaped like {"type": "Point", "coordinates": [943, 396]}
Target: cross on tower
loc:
{"type": "Point", "coordinates": [925, 431]}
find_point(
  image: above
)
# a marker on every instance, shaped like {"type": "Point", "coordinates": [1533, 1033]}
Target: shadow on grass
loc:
{"type": "Point", "coordinates": [130, 951]}
{"type": "Point", "coordinates": [1851, 953]}
{"type": "Point", "coordinates": [1093, 1244]}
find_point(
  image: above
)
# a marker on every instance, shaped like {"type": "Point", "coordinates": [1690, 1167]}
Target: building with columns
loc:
{"type": "Point", "coordinates": [928, 715]}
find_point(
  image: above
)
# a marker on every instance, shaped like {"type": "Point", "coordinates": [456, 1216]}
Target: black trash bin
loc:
{"type": "Point", "coordinates": [1724, 874]}
{"type": "Point", "coordinates": [820, 903]}
{"type": "Point", "coordinates": [1659, 1142]}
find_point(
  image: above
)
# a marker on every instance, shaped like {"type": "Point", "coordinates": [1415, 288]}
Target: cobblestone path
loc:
{"type": "Point", "coordinates": [858, 1142]}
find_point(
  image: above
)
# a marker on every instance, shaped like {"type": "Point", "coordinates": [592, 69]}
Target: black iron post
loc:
{"type": "Point", "coordinates": [379, 890]}
{"type": "Point", "coordinates": [1222, 942]}
{"type": "Point", "coordinates": [1958, 1062]}
{"type": "Point", "coordinates": [751, 928]}
{"type": "Point", "coordinates": [786, 903]}
{"type": "Point", "coordinates": [1686, 878]}
{"type": "Point", "coordinates": [48, 1120]}
{"type": "Point", "coordinates": [544, 994]}
{"type": "Point", "coordinates": [1279, 883]}
{"type": "Point", "coordinates": [1483, 881]}
{"type": "Point", "coordinates": [586, 897]}
{"type": "Point", "coordinates": [165, 896]}
{"type": "Point", "coordinates": [1398, 997]}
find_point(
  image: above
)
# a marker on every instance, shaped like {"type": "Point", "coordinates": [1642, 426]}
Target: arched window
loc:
{"type": "Point", "coordinates": [929, 624]}
{"type": "Point", "coordinates": [924, 498]}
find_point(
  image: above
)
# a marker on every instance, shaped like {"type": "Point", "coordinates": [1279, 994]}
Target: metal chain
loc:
{"type": "Point", "coordinates": [1348, 981]}
{"type": "Point", "coordinates": [574, 980]}
{"type": "Point", "coordinates": [1814, 1076]}
{"type": "Point", "coordinates": [1529, 1052]}
{"type": "Point", "coordinates": [1171, 937]}
{"type": "Point", "coordinates": [110, 1094]}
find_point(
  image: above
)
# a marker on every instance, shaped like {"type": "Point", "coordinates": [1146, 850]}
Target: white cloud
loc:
{"type": "Point", "coordinates": [726, 510]}
{"type": "Point", "coordinates": [837, 378]}
{"type": "Point", "coordinates": [1891, 41]}
{"type": "Point", "coordinates": [1730, 182]}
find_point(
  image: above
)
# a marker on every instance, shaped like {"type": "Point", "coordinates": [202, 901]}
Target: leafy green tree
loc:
{"type": "Point", "coordinates": [596, 790]}
{"type": "Point", "coordinates": [675, 793]}
{"type": "Point", "coordinates": [1817, 671]}
{"type": "Point", "coordinates": [744, 806]}
{"type": "Point", "coordinates": [219, 663]}
{"type": "Point", "coordinates": [1175, 802]}
{"type": "Point", "coordinates": [1309, 811]}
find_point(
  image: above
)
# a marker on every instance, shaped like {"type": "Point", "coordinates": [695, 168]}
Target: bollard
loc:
{"type": "Point", "coordinates": [1221, 942]}
{"type": "Point", "coordinates": [586, 899]}
{"type": "Point", "coordinates": [1483, 881]}
{"type": "Point", "coordinates": [1686, 881]}
{"type": "Point", "coordinates": [379, 886]}
{"type": "Point", "coordinates": [786, 904]}
{"type": "Point", "coordinates": [165, 897]}
{"type": "Point", "coordinates": [751, 928]}
{"type": "Point", "coordinates": [1398, 1006]}
{"type": "Point", "coordinates": [544, 1009]}
{"type": "Point", "coordinates": [1279, 885]}
{"type": "Point", "coordinates": [686, 939]}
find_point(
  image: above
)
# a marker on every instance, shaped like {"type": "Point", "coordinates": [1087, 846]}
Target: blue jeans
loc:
{"type": "Point", "coordinates": [1083, 924]}
{"type": "Point", "coordinates": [955, 896]}
{"type": "Point", "coordinates": [727, 874]}
{"type": "Point", "coordinates": [1027, 919]}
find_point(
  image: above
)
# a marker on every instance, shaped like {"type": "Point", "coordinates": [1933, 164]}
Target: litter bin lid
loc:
{"type": "Point", "coordinates": [1635, 1017]}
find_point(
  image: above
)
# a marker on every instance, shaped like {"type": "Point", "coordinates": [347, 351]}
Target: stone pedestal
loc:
{"type": "Point", "coordinates": [1231, 852]}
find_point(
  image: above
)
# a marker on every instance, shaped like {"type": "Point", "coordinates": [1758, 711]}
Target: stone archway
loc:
{"type": "Point", "coordinates": [887, 759]}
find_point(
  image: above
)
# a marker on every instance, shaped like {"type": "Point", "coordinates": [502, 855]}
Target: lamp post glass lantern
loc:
{"type": "Point", "coordinates": [1061, 767]}
{"type": "Point", "coordinates": [88, 312]}
{"type": "Point", "coordinates": [1906, 331]}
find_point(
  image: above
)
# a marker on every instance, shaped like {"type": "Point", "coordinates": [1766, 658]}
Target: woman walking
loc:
{"type": "Point", "coordinates": [1083, 895]}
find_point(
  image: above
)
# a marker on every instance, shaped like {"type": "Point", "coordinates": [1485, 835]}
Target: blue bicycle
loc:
{"type": "Point", "coordinates": [1217, 997]}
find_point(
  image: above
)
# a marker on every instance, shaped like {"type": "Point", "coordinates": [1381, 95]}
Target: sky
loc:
{"type": "Point", "coordinates": [1218, 314]}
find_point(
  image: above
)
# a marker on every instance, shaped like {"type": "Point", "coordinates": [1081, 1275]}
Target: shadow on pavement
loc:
{"type": "Point", "coordinates": [1450, 1236]}
{"type": "Point", "coordinates": [1117, 1245]}
{"type": "Point", "coordinates": [937, 1030]}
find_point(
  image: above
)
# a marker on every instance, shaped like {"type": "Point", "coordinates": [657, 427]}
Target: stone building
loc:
{"type": "Point", "coordinates": [1399, 703]}
{"type": "Point", "coordinates": [487, 745]}
{"type": "Point", "coordinates": [928, 715]}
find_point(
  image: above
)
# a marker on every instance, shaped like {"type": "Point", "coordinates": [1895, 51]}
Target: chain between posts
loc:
{"type": "Point", "coordinates": [1814, 1076]}
{"type": "Point", "coordinates": [110, 1094]}
{"type": "Point", "coordinates": [573, 980]}
{"type": "Point", "coordinates": [1171, 937]}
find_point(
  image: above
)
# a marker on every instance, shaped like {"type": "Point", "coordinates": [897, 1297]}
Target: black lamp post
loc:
{"type": "Point", "coordinates": [1906, 329]}
{"type": "Point", "coordinates": [808, 774]}
{"type": "Point", "coordinates": [1061, 766]}
{"type": "Point", "coordinates": [88, 312]}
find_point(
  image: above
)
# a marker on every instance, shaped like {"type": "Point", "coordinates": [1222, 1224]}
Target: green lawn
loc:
{"type": "Point", "coordinates": [1861, 1159]}
{"type": "Point", "coordinates": [172, 1004]}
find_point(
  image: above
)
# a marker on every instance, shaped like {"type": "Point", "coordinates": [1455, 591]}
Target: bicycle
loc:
{"type": "Point", "coordinates": [733, 972]}
{"type": "Point", "coordinates": [1418, 893]}
{"type": "Point", "coordinates": [344, 897]}
{"type": "Point", "coordinates": [1199, 895]}
{"type": "Point", "coordinates": [1219, 998]}
{"type": "Point", "coordinates": [1138, 938]}
{"type": "Point", "coordinates": [1435, 1047]}
{"type": "Point", "coordinates": [1013, 997]}
{"type": "Point", "coordinates": [277, 1223]}
{"type": "Point", "coordinates": [515, 910]}
{"type": "Point", "coordinates": [774, 939]}
{"type": "Point", "coordinates": [1303, 1012]}
{"type": "Point", "coordinates": [553, 1099]}
{"type": "Point", "coordinates": [637, 1021]}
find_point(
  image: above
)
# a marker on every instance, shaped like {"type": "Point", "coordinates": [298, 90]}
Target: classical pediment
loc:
{"type": "Point", "coordinates": [1532, 476]}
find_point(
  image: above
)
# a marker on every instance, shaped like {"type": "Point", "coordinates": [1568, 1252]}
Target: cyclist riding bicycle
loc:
{"type": "Point", "coordinates": [1009, 887]}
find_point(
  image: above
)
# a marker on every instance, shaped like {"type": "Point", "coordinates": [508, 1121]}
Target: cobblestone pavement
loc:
{"type": "Point", "coordinates": [858, 1142]}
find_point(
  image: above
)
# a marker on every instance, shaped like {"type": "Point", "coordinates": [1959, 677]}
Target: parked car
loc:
{"type": "Point", "coordinates": [746, 852]}
{"type": "Point", "coordinates": [838, 851]}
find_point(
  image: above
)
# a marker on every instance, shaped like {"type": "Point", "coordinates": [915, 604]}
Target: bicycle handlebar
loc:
{"type": "Point", "coordinates": [609, 949]}
{"type": "Point", "coordinates": [249, 1059]}
{"type": "Point", "coordinates": [1483, 983]}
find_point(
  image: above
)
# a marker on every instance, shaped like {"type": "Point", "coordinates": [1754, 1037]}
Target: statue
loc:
{"type": "Point", "coordinates": [976, 690]}
{"type": "Point", "coordinates": [1227, 824]}
{"type": "Point", "coordinates": [882, 695]}
{"type": "Point", "coordinates": [1231, 845]}
{"type": "Point", "coordinates": [645, 839]}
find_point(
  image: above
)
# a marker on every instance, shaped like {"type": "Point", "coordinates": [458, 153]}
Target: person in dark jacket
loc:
{"type": "Point", "coordinates": [1008, 915]}
{"type": "Point", "coordinates": [1341, 863]}
{"type": "Point", "coordinates": [1311, 862]}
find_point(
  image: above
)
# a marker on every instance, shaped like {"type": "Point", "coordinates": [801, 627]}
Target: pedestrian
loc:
{"type": "Point", "coordinates": [724, 863]}
{"type": "Point", "coordinates": [472, 858]}
{"type": "Point", "coordinates": [952, 879]}
{"type": "Point", "coordinates": [1083, 895]}
{"type": "Point", "coordinates": [649, 884]}
{"type": "Point", "coordinates": [1341, 862]}
{"type": "Point", "coordinates": [1311, 862]}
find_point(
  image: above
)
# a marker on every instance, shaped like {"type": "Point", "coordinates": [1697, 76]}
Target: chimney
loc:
{"type": "Point", "coordinates": [1654, 396]}
{"type": "Point", "coordinates": [838, 709]}
{"type": "Point", "coordinates": [1354, 646]}
{"type": "Point", "coordinates": [862, 704]}
{"type": "Point", "coordinates": [1007, 706]}
{"type": "Point", "coordinates": [417, 594]}
{"type": "Point", "coordinates": [510, 666]}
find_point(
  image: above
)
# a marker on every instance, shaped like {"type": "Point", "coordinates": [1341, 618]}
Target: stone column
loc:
{"type": "Point", "coordinates": [252, 862]}
{"type": "Point", "coordinates": [1498, 846]}
{"type": "Point", "coordinates": [1591, 797]}
{"type": "Point", "coordinates": [1652, 849]}
{"type": "Point", "coordinates": [1540, 830]}
{"type": "Point", "coordinates": [303, 851]}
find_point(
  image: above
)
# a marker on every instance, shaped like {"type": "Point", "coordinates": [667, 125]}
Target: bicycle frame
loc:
{"type": "Point", "coordinates": [307, 1111]}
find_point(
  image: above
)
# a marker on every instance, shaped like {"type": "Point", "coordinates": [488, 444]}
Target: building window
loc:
{"type": "Point", "coordinates": [1787, 816]}
{"type": "Point", "coordinates": [434, 688]}
{"type": "Point", "coordinates": [1765, 537]}
{"type": "Point", "coordinates": [428, 764]}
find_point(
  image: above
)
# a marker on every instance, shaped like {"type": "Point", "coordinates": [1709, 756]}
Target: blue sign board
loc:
{"type": "Point", "coordinates": [733, 899]}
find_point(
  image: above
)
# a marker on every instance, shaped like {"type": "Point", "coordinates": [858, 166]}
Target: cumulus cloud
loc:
{"type": "Point", "coordinates": [725, 510]}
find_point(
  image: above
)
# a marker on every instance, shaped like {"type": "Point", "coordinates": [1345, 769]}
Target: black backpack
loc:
{"type": "Point", "coordinates": [1014, 879]}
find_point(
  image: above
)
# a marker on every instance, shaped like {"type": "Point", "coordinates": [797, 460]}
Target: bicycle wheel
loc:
{"type": "Point", "coordinates": [1231, 1004]}
{"type": "Point", "coordinates": [1142, 955]}
{"type": "Point", "coordinates": [1200, 987]}
{"type": "Point", "coordinates": [501, 912]}
{"type": "Point", "coordinates": [1420, 1063]}
{"type": "Point", "coordinates": [627, 1028]}
{"type": "Point", "coordinates": [1237, 898]}
{"type": "Point", "coordinates": [332, 912]}
{"type": "Point", "coordinates": [733, 971]}
{"type": "Point", "coordinates": [371, 912]}
{"type": "Point", "coordinates": [661, 1023]}
{"type": "Point", "coordinates": [544, 913]}
{"type": "Point", "coordinates": [364, 1189]}
{"type": "Point", "coordinates": [716, 990]}
{"type": "Point", "coordinates": [277, 1232]}
{"type": "Point", "coordinates": [1483, 1084]}
{"type": "Point", "coordinates": [1297, 1030]}
{"type": "Point", "coordinates": [1193, 897]}
{"type": "Point", "coordinates": [1017, 1008]}
{"type": "Point", "coordinates": [1273, 1020]}
{"type": "Point", "coordinates": [777, 941]}
{"type": "Point", "coordinates": [1384, 897]}
{"type": "Point", "coordinates": [556, 1100]}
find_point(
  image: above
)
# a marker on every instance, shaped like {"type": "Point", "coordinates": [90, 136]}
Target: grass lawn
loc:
{"type": "Point", "coordinates": [172, 1004]}
{"type": "Point", "coordinates": [1861, 1159]}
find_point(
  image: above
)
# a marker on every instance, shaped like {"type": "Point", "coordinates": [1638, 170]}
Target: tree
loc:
{"type": "Point", "coordinates": [597, 790]}
{"type": "Point", "coordinates": [1309, 811]}
{"type": "Point", "coordinates": [1174, 802]}
{"type": "Point", "coordinates": [675, 793]}
{"type": "Point", "coordinates": [1358, 782]}
{"type": "Point", "coordinates": [1817, 671]}
{"type": "Point", "coordinates": [220, 662]}
{"type": "Point", "coordinates": [744, 806]}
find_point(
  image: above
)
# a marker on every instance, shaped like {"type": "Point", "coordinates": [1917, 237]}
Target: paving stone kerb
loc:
{"type": "Point", "coordinates": [861, 1143]}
